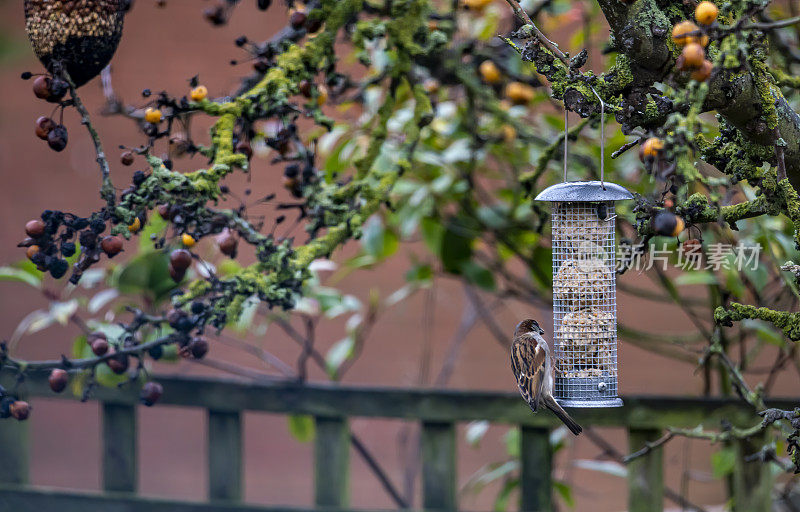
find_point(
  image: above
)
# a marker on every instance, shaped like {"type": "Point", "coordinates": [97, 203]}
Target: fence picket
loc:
{"type": "Point", "coordinates": [331, 462]}
{"type": "Point", "coordinates": [13, 452]}
{"type": "Point", "coordinates": [536, 463]}
{"type": "Point", "coordinates": [224, 455]}
{"type": "Point", "coordinates": [119, 447]}
{"type": "Point", "coordinates": [439, 465]}
{"type": "Point", "coordinates": [645, 474]}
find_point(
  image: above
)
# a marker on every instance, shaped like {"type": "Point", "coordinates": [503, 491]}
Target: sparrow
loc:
{"type": "Point", "coordinates": [532, 364]}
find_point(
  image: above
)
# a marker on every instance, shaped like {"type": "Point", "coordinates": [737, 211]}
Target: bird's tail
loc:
{"type": "Point", "coordinates": [551, 404]}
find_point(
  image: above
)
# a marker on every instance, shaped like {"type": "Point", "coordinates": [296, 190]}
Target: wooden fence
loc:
{"type": "Point", "coordinates": [438, 412]}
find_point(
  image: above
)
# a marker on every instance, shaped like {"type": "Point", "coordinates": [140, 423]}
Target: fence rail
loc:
{"type": "Point", "coordinates": [437, 411]}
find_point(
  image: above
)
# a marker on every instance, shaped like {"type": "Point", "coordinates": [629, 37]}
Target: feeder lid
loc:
{"type": "Point", "coordinates": [584, 191]}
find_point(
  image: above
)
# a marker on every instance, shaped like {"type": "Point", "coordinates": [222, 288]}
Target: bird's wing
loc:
{"type": "Point", "coordinates": [527, 362]}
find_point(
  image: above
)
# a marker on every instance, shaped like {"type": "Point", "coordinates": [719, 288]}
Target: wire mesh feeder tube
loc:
{"type": "Point", "coordinates": [584, 292]}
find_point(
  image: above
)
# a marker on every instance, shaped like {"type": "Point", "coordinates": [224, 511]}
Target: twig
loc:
{"type": "Point", "coordinates": [649, 446]}
{"type": "Point", "coordinates": [550, 45]}
{"type": "Point", "coordinates": [773, 24]}
{"type": "Point", "coordinates": [382, 476]}
{"type": "Point", "coordinates": [613, 453]}
{"type": "Point", "coordinates": [625, 147]}
{"type": "Point", "coordinates": [107, 189]}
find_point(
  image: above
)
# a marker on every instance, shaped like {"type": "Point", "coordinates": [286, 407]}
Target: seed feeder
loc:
{"type": "Point", "coordinates": [584, 287]}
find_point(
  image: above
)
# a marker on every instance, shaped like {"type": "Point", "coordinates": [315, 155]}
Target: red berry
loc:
{"type": "Point", "coordinates": [244, 148]}
{"type": "Point", "coordinates": [118, 363]}
{"type": "Point", "coordinates": [297, 19]}
{"type": "Point", "coordinates": [44, 125]}
{"type": "Point", "coordinates": [175, 274]}
{"type": "Point", "coordinates": [20, 410]}
{"type": "Point", "coordinates": [180, 259]}
{"type": "Point", "coordinates": [41, 87]}
{"type": "Point", "coordinates": [111, 245]}
{"type": "Point", "coordinates": [58, 380]}
{"type": "Point", "coordinates": [34, 228]}
{"type": "Point", "coordinates": [227, 243]}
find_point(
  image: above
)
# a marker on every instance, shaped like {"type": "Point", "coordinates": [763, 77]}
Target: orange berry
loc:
{"type": "Point", "coordinates": [706, 13]}
{"type": "Point", "coordinates": [692, 57]}
{"type": "Point", "coordinates": [322, 96]}
{"type": "Point", "coordinates": [489, 72]}
{"type": "Point", "coordinates": [519, 93]}
{"type": "Point", "coordinates": [509, 133]}
{"type": "Point", "coordinates": [651, 148]}
{"type": "Point", "coordinates": [188, 240]}
{"type": "Point", "coordinates": [431, 85]}
{"type": "Point", "coordinates": [31, 251]}
{"type": "Point", "coordinates": [135, 226]}
{"type": "Point", "coordinates": [681, 33]}
{"type": "Point", "coordinates": [199, 93]}
{"type": "Point", "coordinates": [152, 115]}
{"type": "Point", "coordinates": [475, 5]}
{"type": "Point", "coordinates": [702, 73]}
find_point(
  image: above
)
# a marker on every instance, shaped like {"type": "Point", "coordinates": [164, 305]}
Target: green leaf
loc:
{"type": "Point", "coordinates": [565, 491]}
{"type": "Point", "coordinates": [340, 352]}
{"type": "Point", "coordinates": [21, 276]}
{"type": "Point", "coordinates": [432, 234]}
{"type": "Point", "coordinates": [301, 427]}
{"type": "Point", "coordinates": [456, 246]}
{"type": "Point", "coordinates": [696, 278]}
{"type": "Point", "coordinates": [501, 501]}
{"type": "Point", "coordinates": [512, 440]}
{"type": "Point", "coordinates": [146, 274]}
{"type": "Point", "coordinates": [478, 275]}
{"type": "Point", "coordinates": [723, 462]}
{"type": "Point", "coordinates": [155, 225]}
{"type": "Point", "coordinates": [105, 377]}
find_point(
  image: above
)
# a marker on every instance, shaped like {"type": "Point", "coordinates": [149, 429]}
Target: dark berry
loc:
{"type": "Point", "coordinates": [127, 158]}
{"type": "Point", "coordinates": [263, 4]}
{"type": "Point", "coordinates": [58, 267]}
{"type": "Point", "coordinates": [68, 249]}
{"type": "Point", "coordinates": [305, 88]}
{"type": "Point", "coordinates": [297, 19]}
{"type": "Point", "coordinates": [5, 406]}
{"type": "Point", "coordinates": [58, 380]}
{"type": "Point", "coordinates": [150, 393]}
{"type": "Point", "coordinates": [57, 138]}
{"type": "Point", "coordinates": [156, 352]}
{"type": "Point", "coordinates": [58, 88]}
{"type": "Point", "coordinates": [198, 348]}
{"type": "Point", "coordinates": [244, 148]}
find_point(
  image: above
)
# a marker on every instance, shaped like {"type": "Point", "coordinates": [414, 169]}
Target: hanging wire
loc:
{"type": "Point", "coordinates": [566, 140]}
{"type": "Point", "coordinates": [602, 138]}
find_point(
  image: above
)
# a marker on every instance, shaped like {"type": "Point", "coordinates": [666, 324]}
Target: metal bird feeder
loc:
{"type": "Point", "coordinates": [584, 290]}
